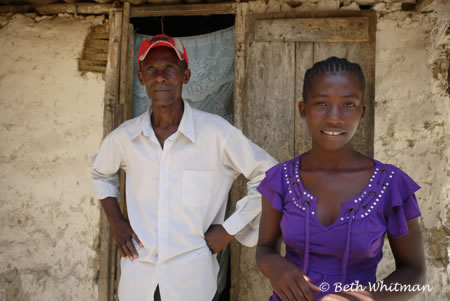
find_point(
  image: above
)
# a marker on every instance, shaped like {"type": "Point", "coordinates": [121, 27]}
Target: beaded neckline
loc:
{"type": "Point", "coordinates": [357, 208]}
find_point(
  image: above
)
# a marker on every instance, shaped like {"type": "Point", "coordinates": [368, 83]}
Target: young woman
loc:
{"type": "Point", "coordinates": [332, 206]}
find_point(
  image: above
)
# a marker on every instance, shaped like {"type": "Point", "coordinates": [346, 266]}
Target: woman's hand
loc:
{"type": "Point", "coordinates": [289, 282]}
{"type": "Point", "coordinates": [286, 278]}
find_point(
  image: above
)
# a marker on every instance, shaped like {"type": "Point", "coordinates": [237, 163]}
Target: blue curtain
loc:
{"type": "Point", "coordinates": [211, 61]}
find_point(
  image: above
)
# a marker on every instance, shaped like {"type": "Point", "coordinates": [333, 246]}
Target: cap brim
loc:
{"type": "Point", "coordinates": [161, 44]}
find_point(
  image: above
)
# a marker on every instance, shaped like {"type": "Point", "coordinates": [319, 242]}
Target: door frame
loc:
{"type": "Point", "coordinates": [118, 100]}
{"type": "Point", "coordinates": [118, 107]}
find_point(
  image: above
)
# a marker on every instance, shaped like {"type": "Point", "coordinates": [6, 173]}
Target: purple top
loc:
{"type": "Point", "coordinates": [349, 250]}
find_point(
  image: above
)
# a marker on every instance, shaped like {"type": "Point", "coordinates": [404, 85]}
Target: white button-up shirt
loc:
{"type": "Point", "coordinates": [175, 193]}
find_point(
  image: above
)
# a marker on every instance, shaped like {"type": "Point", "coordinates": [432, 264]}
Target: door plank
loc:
{"type": "Point", "coordinates": [352, 29]}
{"type": "Point", "coordinates": [270, 94]}
{"type": "Point", "coordinates": [269, 122]}
{"type": "Point", "coordinates": [304, 59]}
{"type": "Point", "coordinates": [362, 54]}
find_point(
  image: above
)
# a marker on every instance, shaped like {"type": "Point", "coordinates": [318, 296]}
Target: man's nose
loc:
{"type": "Point", "coordinates": [160, 76]}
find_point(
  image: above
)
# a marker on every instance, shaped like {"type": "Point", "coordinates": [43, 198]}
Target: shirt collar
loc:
{"type": "Point", "coordinates": [186, 126]}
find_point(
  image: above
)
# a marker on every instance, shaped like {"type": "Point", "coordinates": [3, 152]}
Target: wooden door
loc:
{"type": "Point", "coordinates": [278, 51]}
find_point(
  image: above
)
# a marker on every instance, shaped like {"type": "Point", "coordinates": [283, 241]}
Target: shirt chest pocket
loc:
{"type": "Point", "coordinates": [197, 187]}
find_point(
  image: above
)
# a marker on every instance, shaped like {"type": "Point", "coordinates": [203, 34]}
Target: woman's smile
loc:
{"type": "Point", "coordinates": [334, 132]}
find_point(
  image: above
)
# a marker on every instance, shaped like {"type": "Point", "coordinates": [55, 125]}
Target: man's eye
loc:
{"type": "Point", "coordinates": [320, 104]}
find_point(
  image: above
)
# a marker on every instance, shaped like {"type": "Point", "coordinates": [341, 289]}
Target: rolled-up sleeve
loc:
{"type": "Point", "coordinates": [248, 159]}
{"type": "Point", "coordinates": [105, 166]}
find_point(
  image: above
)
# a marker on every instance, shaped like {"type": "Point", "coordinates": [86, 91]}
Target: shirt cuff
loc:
{"type": "Point", "coordinates": [234, 224]}
{"type": "Point", "coordinates": [103, 191]}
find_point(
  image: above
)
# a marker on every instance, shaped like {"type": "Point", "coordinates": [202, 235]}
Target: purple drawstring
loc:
{"type": "Point", "coordinates": [347, 247]}
{"type": "Point", "coordinates": [306, 261]}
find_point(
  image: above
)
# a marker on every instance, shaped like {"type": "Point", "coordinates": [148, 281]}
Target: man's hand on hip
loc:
{"type": "Point", "coordinates": [123, 235]}
{"type": "Point", "coordinates": [217, 238]}
{"type": "Point", "coordinates": [121, 229]}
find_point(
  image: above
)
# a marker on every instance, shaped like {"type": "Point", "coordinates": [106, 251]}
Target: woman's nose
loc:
{"type": "Point", "coordinates": [334, 114]}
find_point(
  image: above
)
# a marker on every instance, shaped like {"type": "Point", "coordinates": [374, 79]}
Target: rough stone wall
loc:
{"type": "Point", "coordinates": [412, 128]}
{"type": "Point", "coordinates": [51, 122]}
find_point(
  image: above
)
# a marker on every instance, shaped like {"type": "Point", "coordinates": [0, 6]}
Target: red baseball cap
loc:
{"type": "Point", "coordinates": [162, 40]}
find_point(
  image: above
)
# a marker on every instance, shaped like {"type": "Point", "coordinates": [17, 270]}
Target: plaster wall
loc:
{"type": "Point", "coordinates": [412, 129]}
{"type": "Point", "coordinates": [51, 122]}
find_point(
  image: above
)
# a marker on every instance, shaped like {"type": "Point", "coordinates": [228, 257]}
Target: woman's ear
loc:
{"type": "Point", "coordinates": [302, 108]}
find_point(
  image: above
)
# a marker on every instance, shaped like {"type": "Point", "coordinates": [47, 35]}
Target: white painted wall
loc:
{"type": "Point", "coordinates": [51, 122]}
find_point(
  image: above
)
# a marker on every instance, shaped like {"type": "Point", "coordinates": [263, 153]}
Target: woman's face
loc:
{"type": "Point", "coordinates": [333, 109]}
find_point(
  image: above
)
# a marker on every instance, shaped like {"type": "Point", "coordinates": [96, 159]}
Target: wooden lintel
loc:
{"type": "Point", "coordinates": [59, 8]}
{"type": "Point", "coordinates": [15, 9]}
{"type": "Point", "coordinates": [349, 29]}
{"type": "Point", "coordinates": [424, 5]}
{"type": "Point", "coordinates": [183, 10]}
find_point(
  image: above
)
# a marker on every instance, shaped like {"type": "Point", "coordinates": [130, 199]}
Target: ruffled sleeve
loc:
{"type": "Point", "coordinates": [271, 187]}
{"type": "Point", "coordinates": [401, 204]}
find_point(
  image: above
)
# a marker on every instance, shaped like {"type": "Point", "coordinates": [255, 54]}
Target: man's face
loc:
{"type": "Point", "coordinates": [163, 76]}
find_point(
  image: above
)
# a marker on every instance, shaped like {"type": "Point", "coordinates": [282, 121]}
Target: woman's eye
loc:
{"type": "Point", "coordinates": [320, 104]}
{"type": "Point", "coordinates": [349, 105]}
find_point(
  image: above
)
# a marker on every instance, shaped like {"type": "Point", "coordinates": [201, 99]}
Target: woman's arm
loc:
{"type": "Point", "coordinates": [409, 270]}
{"type": "Point", "coordinates": [286, 278]}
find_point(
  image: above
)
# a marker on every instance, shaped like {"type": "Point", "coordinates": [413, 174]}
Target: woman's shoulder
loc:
{"type": "Point", "coordinates": [400, 201]}
{"type": "Point", "coordinates": [282, 167]}
{"type": "Point", "coordinates": [394, 172]}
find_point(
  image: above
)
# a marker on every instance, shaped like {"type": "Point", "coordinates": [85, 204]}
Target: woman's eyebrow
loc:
{"type": "Point", "coordinates": [352, 95]}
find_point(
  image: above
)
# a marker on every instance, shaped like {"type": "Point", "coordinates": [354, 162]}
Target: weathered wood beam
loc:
{"type": "Point", "coordinates": [59, 8]}
{"type": "Point", "coordinates": [15, 9]}
{"type": "Point", "coordinates": [424, 5]}
{"type": "Point", "coordinates": [350, 29]}
{"type": "Point", "coordinates": [92, 65]}
{"type": "Point", "coordinates": [107, 248]}
{"type": "Point", "coordinates": [124, 52]}
{"type": "Point", "coordinates": [128, 108]}
{"type": "Point", "coordinates": [238, 188]}
{"type": "Point", "coordinates": [183, 10]}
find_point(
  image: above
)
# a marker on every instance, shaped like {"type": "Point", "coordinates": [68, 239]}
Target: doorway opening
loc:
{"type": "Point", "coordinates": [218, 100]}
{"type": "Point", "coordinates": [181, 26]}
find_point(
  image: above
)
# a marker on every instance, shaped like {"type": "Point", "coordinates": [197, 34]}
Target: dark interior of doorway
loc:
{"type": "Point", "coordinates": [182, 26]}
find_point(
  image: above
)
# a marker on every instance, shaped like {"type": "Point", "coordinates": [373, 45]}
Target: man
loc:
{"type": "Point", "coordinates": [180, 164]}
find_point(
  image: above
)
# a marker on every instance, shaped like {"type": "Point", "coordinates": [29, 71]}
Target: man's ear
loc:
{"type": "Point", "coordinates": [187, 76]}
{"type": "Point", "coordinates": [139, 74]}
{"type": "Point", "coordinates": [302, 108]}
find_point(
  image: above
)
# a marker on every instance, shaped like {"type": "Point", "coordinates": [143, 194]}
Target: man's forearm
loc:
{"type": "Point", "coordinates": [112, 209]}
